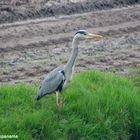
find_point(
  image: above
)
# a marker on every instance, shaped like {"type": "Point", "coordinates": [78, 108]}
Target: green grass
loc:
{"type": "Point", "coordinates": [96, 106]}
{"type": "Point", "coordinates": [136, 77]}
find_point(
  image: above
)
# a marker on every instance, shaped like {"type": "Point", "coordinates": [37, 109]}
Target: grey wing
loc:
{"type": "Point", "coordinates": [51, 81]}
{"type": "Point", "coordinates": [53, 73]}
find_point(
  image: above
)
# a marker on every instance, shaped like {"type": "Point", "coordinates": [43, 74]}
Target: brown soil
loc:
{"type": "Point", "coordinates": [30, 49]}
{"type": "Point", "coordinates": [17, 10]}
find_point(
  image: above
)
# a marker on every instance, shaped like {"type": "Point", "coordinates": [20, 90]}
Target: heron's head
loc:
{"type": "Point", "coordinates": [84, 34]}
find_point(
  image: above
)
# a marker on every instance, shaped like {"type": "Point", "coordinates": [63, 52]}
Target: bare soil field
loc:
{"type": "Point", "coordinates": [32, 45]}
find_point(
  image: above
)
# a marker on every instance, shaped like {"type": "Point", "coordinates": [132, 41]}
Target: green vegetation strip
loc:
{"type": "Point", "coordinates": [95, 106]}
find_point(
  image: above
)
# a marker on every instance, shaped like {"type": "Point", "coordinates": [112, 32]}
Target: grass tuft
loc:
{"type": "Point", "coordinates": [95, 106]}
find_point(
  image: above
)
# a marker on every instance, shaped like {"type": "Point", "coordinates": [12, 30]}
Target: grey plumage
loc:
{"type": "Point", "coordinates": [51, 82]}
{"type": "Point", "coordinates": [59, 78]}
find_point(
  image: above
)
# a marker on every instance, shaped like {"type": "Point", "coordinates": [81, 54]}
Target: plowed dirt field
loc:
{"type": "Point", "coordinates": [31, 47]}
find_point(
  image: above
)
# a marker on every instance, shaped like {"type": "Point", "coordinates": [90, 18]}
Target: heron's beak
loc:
{"type": "Point", "coordinates": [95, 36]}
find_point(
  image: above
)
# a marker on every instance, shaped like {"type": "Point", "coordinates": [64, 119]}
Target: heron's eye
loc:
{"type": "Point", "coordinates": [84, 33]}
{"type": "Point", "coordinates": [81, 32]}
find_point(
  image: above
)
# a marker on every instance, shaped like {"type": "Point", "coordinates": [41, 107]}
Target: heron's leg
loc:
{"type": "Point", "coordinates": [57, 100]}
{"type": "Point", "coordinates": [61, 100]}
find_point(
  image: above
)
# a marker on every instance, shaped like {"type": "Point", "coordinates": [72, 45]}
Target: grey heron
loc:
{"type": "Point", "coordinates": [58, 78]}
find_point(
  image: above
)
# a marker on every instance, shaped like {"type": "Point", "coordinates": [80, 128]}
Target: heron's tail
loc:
{"type": "Point", "coordinates": [37, 97]}
{"type": "Point", "coordinates": [40, 95]}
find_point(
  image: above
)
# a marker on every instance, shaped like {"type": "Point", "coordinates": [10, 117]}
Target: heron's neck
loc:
{"type": "Point", "coordinates": [74, 54]}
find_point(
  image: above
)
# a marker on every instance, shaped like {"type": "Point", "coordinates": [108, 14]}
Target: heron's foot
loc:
{"type": "Point", "coordinates": [59, 104]}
